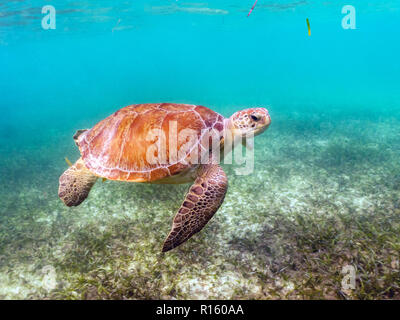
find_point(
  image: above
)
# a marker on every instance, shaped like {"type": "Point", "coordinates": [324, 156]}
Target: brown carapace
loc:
{"type": "Point", "coordinates": [163, 143]}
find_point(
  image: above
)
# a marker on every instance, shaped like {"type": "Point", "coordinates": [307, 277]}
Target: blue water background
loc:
{"type": "Point", "coordinates": [104, 55]}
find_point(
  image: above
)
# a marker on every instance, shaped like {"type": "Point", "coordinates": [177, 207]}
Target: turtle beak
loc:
{"type": "Point", "coordinates": [268, 119]}
{"type": "Point", "coordinates": [263, 122]}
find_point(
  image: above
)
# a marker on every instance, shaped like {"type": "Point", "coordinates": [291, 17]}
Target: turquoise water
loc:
{"type": "Point", "coordinates": [331, 152]}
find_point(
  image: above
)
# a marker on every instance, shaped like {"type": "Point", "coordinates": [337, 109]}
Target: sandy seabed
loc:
{"type": "Point", "coordinates": [324, 195]}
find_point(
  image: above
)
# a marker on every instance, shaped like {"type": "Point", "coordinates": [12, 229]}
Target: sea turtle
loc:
{"type": "Point", "coordinates": [162, 143]}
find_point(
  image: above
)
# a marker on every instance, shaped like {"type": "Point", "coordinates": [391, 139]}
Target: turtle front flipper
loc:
{"type": "Point", "coordinates": [75, 184]}
{"type": "Point", "coordinates": [203, 199]}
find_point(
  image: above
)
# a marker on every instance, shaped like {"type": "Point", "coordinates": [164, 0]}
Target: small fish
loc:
{"type": "Point", "coordinates": [309, 28]}
{"type": "Point", "coordinates": [104, 179]}
{"type": "Point", "coordinates": [68, 162]}
{"type": "Point", "coordinates": [115, 27]}
{"type": "Point", "coordinates": [252, 8]}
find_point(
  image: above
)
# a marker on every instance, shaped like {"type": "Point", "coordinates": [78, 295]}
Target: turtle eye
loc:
{"type": "Point", "coordinates": [255, 117]}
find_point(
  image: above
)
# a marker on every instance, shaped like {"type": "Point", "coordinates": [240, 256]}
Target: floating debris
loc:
{"type": "Point", "coordinates": [68, 162]}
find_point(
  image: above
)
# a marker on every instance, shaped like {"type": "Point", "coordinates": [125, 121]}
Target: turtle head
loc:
{"type": "Point", "coordinates": [250, 121]}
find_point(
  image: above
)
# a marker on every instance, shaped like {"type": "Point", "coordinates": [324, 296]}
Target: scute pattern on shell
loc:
{"type": "Point", "coordinates": [116, 147]}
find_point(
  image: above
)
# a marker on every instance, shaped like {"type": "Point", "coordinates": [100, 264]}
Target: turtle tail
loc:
{"type": "Point", "coordinates": [75, 184]}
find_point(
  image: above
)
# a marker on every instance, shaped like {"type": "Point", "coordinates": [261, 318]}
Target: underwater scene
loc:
{"type": "Point", "coordinates": [317, 216]}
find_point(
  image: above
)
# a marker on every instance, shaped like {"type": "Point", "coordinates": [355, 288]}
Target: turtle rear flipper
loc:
{"type": "Point", "coordinates": [75, 184]}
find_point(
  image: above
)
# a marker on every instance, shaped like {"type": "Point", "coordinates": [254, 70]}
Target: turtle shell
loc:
{"type": "Point", "coordinates": [126, 145]}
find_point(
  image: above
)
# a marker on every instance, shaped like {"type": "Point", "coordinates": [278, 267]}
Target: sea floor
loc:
{"type": "Point", "coordinates": [323, 200]}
